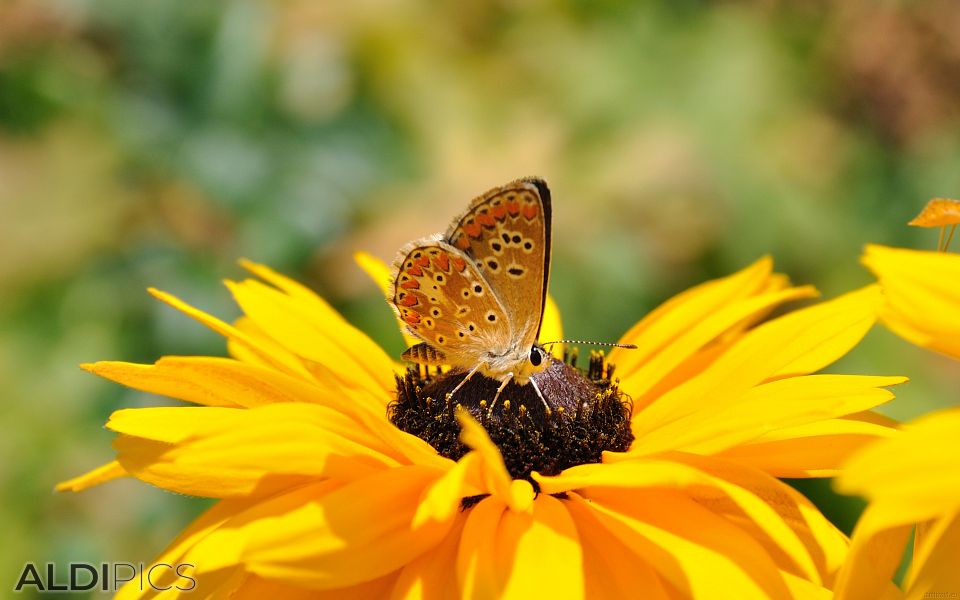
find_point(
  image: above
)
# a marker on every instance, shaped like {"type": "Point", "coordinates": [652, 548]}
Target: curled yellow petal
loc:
{"type": "Point", "coordinates": [493, 473]}
{"type": "Point", "coordinates": [509, 554]}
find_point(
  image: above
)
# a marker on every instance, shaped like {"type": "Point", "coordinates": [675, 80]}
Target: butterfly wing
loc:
{"type": "Point", "coordinates": [507, 234]}
{"type": "Point", "coordinates": [443, 300]}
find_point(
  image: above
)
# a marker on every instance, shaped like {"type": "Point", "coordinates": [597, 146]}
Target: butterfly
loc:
{"type": "Point", "coordinates": [475, 295]}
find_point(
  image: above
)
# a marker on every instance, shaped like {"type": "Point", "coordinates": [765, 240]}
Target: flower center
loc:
{"type": "Point", "coordinates": [587, 414]}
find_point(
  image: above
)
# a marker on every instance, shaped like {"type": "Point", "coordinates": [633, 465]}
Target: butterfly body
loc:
{"type": "Point", "coordinates": [475, 295]}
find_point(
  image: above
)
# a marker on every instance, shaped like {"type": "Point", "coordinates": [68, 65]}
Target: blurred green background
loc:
{"type": "Point", "coordinates": [154, 143]}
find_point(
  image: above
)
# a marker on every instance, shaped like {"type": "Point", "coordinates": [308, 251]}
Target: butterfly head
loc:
{"type": "Point", "coordinates": [522, 361]}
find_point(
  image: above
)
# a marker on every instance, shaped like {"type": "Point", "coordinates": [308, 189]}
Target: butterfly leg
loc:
{"type": "Point", "coordinates": [507, 379]}
{"type": "Point", "coordinates": [536, 388]}
{"type": "Point", "coordinates": [464, 380]}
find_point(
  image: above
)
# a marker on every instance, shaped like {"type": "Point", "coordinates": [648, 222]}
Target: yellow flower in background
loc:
{"type": "Point", "coordinates": [322, 494]}
{"type": "Point", "coordinates": [913, 480]}
{"type": "Point", "coordinates": [922, 289]}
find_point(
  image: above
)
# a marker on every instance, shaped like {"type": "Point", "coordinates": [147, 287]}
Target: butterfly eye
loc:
{"type": "Point", "coordinates": [535, 356]}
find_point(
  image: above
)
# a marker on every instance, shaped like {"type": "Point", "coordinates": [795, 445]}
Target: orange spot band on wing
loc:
{"type": "Point", "coordinates": [530, 211]}
{"type": "Point", "coordinates": [442, 261]}
{"type": "Point", "coordinates": [412, 284]}
{"type": "Point", "coordinates": [472, 229]}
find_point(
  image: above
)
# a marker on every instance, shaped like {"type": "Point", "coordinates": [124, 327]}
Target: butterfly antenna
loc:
{"type": "Point", "coordinates": [612, 344]}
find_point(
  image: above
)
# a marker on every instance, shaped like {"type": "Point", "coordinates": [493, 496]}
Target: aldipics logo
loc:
{"type": "Point", "coordinates": [106, 577]}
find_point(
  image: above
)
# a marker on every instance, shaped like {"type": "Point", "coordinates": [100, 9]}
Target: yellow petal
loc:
{"type": "Point", "coordinates": [312, 330]}
{"type": "Point", "coordinates": [433, 574]}
{"type": "Point", "coordinates": [108, 472]}
{"type": "Point", "coordinates": [633, 473]}
{"type": "Point", "coordinates": [916, 473]}
{"type": "Point", "coordinates": [359, 532]}
{"type": "Point", "coordinates": [268, 352]}
{"type": "Point", "coordinates": [443, 498]}
{"type": "Point", "coordinates": [694, 550]}
{"type": "Point", "coordinates": [257, 588]}
{"type": "Point", "coordinates": [875, 552]}
{"type": "Point", "coordinates": [209, 381]}
{"type": "Point", "coordinates": [934, 567]}
{"type": "Point", "coordinates": [801, 589]}
{"type": "Point", "coordinates": [477, 567]}
{"type": "Point", "coordinates": [509, 554]}
{"type": "Point", "coordinates": [680, 421]}
{"type": "Point", "coordinates": [223, 452]}
{"type": "Point", "coordinates": [551, 328]}
{"type": "Point", "coordinates": [707, 330]}
{"type": "Point", "coordinates": [799, 342]}
{"type": "Point", "coordinates": [213, 381]}
{"type": "Point", "coordinates": [494, 477]}
{"type": "Point", "coordinates": [816, 449]}
{"type": "Point", "coordinates": [636, 474]}
{"type": "Point", "coordinates": [180, 551]}
{"type": "Point", "coordinates": [610, 568]}
{"type": "Point", "coordinates": [922, 298]}
{"type": "Point", "coordinates": [681, 312]}
{"type": "Point", "coordinates": [225, 382]}
{"type": "Point", "coordinates": [824, 543]}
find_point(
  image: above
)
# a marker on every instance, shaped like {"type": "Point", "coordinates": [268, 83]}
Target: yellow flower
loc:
{"type": "Point", "coordinates": [922, 291]}
{"type": "Point", "coordinates": [322, 495]}
{"type": "Point", "coordinates": [912, 479]}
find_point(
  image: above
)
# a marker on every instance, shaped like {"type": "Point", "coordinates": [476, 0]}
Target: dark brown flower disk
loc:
{"type": "Point", "coordinates": [587, 415]}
